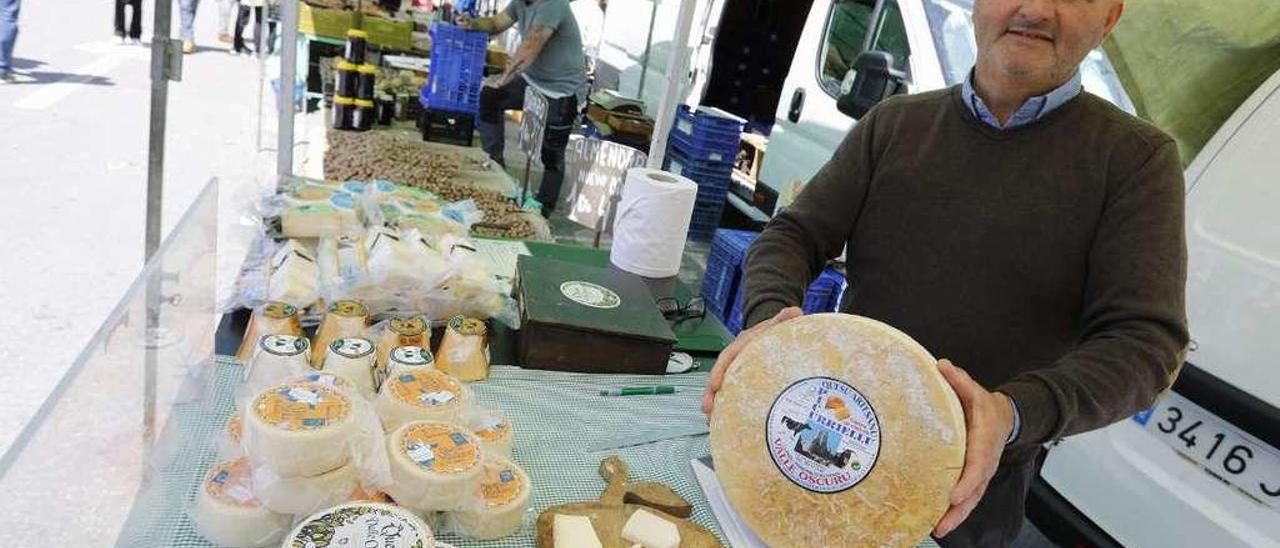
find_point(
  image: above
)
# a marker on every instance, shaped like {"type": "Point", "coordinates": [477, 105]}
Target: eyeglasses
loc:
{"type": "Point", "coordinates": [675, 311]}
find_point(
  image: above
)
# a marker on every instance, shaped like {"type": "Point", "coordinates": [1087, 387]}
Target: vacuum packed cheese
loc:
{"type": "Point", "coordinates": [402, 331]}
{"type": "Point", "coordinates": [345, 318]}
{"type": "Point", "coordinates": [352, 357]}
{"type": "Point", "coordinates": [271, 318]}
{"type": "Point", "coordinates": [317, 215]}
{"type": "Point", "coordinates": [307, 494]}
{"type": "Point", "coordinates": [295, 275]}
{"type": "Point", "coordinates": [435, 466]}
{"type": "Point", "coordinates": [419, 395]}
{"type": "Point", "coordinates": [278, 357]}
{"type": "Point", "coordinates": [228, 513]}
{"type": "Point", "coordinates": [462, 351]}
{"type": "Point", "coordinates": [492, 428]}
{"type": "Point", "coordinates": [408, 359]}
{"type": "Point", "coordinates": [497, 508]}
{"type": "Point", "coordinates": [837, 430]}
{"type": "Point", "coordinates": [299, 429]}
{"type": "Point", "coordinates": [361, 524]}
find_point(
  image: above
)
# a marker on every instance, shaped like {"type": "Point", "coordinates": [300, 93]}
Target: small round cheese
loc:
{"type": "Point", "coordinates": [407, 359]}
{"type": "Point", "coordinates": [837, 430]}
{"type": "Point", "coordinates": [271, 317]}
{"type": "Point", "coordinates": [352, 357]}
{"type": "Point", "coordinates": [419, 395]}
{"type": "Point", "coordinates": [304, 495]}
{"type": "Point", "coordinates": [278, 357]}
{"type": "Point", "coordinates": [435, 466]}
{"type": "Point", "coordinates": [342, 319]}
{"type": "Point", "coordinates": [497, 508]}
{"type": "Point", "coordinates": [492, 428]}
{"type": "Point", "coordinates": [360, 524]}
{"type": "Point", "coordinates": [228, 512]}
{"type": "Point", "coordinates": [462, 351]}
{"type": "Point", "coordinates": [299, 428]}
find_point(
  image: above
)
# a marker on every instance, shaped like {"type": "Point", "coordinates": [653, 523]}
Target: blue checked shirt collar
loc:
{"type": "Point", "coordinates": [1034, 109]}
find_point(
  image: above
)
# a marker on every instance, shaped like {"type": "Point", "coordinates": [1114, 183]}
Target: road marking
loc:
{"type": "Point", "coordinates": [49, 94]}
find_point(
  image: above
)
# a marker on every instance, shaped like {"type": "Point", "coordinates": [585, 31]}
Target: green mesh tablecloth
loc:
{"type": "Point", "coordinates": [563, 427]}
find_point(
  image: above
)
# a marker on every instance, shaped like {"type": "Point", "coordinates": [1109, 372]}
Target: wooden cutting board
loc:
{"type": "Point", "coordinates": [621, 499]}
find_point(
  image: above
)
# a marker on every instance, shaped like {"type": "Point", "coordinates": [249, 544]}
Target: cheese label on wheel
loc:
{"type": "Point", "coordinates": [284, 345]}
{"type": "Point", "coordinates": [349, 309]}
{"type": "Point", "coordinates": [823, 435]}
{"type": "Point", "coordinates": [230, 482]}
{"type": "Point", "coordinates": [427, 389]}
{"type": "Point", "coordinates": [408, 327]}
{"type": "Point", "coordinates": [326, 379]}
{"type": "Point", "coordinates": [301, 407]}
{"type": "Point", "coordinates": [467, 326]}
{"type": "Point", "coordinates": [352, 347]}
{"type": "Point", "coordinates": [440, 448]}
{"type": "Point", "coordinates": [277, 310]}
{"type": "Point", "coordinates": [492, 429]}
{"type": "Point", "coordinates": [411, 356]}
{"type": "Point", "coordinates": [501, 485]}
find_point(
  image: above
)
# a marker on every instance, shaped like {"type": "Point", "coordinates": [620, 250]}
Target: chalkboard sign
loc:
{"type": "Point", "coordinates": [596, 170]}
{"type": "Point", "coordinates": [533, 123]}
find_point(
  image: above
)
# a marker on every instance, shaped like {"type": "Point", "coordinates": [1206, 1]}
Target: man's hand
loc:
{"type": "Point", "coordinates": [988, 419]}
{"type": "Point", "coordinates": [731, 352]}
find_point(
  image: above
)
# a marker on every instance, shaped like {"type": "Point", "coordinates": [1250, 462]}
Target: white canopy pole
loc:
{"type": "Point", "coordinates": [288, 72]}
{"type": "Point", "coordinates": [677, 78]}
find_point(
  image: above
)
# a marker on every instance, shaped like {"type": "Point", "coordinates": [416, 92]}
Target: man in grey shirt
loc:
{"type": "Point", "coordinates": [549, 60]}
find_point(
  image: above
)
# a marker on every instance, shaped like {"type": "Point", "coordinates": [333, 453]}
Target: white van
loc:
{"type": "Point", "coordinates": [1202, 467]}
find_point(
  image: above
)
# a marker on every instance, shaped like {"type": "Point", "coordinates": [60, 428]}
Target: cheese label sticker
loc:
{"type": "Point", "coordinates": [284, 345]}
{"type": "Point", "coordinates": [408, 327]}
{"type": "Point", "coordinates": [501, 484]}
{"type": "Point", "coordinates": [425, 389]}
{"type": "Point", "coordinates": [229, 482]}
{"type": "Point", "coordinates": [359, 525]}
{"type": "Point", "coordinates": [492, 429]}
{"type": "Point", "coordinates": [823, 435]}
{"type": "Point", "coordinates": [467, 326]}
{"type": "Point", "coordinates": [301, 407]}
{"type": "Point", "coordinates": [277, 310]}
{"type": "Point", "coordinates": [352, 347]}
{"type": "Point", "coordinates": [589, 294]}
{"type": "Point", "coordinates": [349, 309]}
{"type": "Point", "coordinates": [411, 356]}
{"type": "Point", "coordinates": [439, 448]}
{"type": "Point", "coordinates": [326, 379]}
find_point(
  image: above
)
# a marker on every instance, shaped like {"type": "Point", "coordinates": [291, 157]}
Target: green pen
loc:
{"type": "Point", "coordinates": [638, 391]}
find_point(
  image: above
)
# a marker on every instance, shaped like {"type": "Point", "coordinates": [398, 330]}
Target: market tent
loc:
{"type": "Point", "coordinates": [1187, 65]}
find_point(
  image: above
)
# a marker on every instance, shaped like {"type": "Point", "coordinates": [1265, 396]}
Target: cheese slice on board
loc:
{"type": "Point", "coordinates": [837, 430]}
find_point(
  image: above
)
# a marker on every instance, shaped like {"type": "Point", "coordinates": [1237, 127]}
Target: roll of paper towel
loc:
{"type": "Point", "coordinates": [652, 224]}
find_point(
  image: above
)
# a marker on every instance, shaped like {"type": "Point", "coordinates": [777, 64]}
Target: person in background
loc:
{"type": "Point", "coordinates": [188, 9]}
{"type": "Point", "coordinates": [226, 10]}
{"type": "Point", "coordinates": [590, 17]}
{"type": "Point", "coordinates": [8, 35]}
{"type": "Point", "coordinates": [258, 8]}
{"type": "Point", "coordinates": [134, 35]}
{"type": "Point", "coordinates": [549, 60]}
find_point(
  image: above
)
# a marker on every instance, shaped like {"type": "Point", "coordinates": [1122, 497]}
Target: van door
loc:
{"type": "Point", "coordinates": [808, 126]}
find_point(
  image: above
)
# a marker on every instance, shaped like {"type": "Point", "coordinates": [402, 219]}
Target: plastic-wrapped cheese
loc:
{"type": "Point", "coordinates": [344, 318]}
{"type": "Point", "coordinates": [462, 351]}
{"type": "Point", "coordinates": [228, 513]}
{"type": "Point", "coordinates": [435, 466]}
{"type": "Point", "coordinates": [492, 428]}
{"type": "Point", "coordinates": [408, 359]}
{"type": "Point", "coordinates": [229, 443]}
{"type": "Point", "coordinates": [273, 317]}
{"type": "Point", "coordinates": [304, 495]}
{"type": "Point", "coordinates": [361, 524]}
{"type": "Point", "coordinates": [402, 331]}
{"type": "Point", "coordinates": [278, 357]}
{"type": "Point", "coordinates": [352, 357]}
{"type": "Point", "coordinates": [419, 395]}
{"type": "Point", "coordinates": [318, 215]}
{"type": "Point", "coordinates": [295, 275]}
{"type": "Point", "coordinates": [300, 429]}
{"type": "Point", "coordinates": [497, 508]}
{"type": "Point", "coordinates": [837, 430]}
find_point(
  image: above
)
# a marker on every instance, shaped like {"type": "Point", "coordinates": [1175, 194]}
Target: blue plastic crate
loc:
{"type": "Point", "coordinates": [456, 75]}
{"type": "Point", "coordinates": [702, 173]}
{"type": "Point", "coordinates": [707, 134]}
{"type": "Point", "coordinates": [705, 221]}
{"type": "Point", "coordinates": [823, 295]}
{"type": "Point", "coordinates": [724, 269]}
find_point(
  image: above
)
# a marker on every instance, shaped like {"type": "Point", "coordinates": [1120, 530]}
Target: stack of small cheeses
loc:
{"type": "Point", "coordinates": [325, 440]}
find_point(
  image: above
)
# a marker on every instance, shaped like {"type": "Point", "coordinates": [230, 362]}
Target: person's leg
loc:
{"type": "Point", "coordinates": [271, 36]}
{"type": "Point", "coordinates": [242, 18]}
{"type": "Point", "coordinates": [562, 113]}
{"type": "Point", "coordinates": [494, 102]}
{"type": "Point", "coordinates": [225, 9]}
{"type": "Point", "coordinates": [8, 35]}
{"type": "Point", "coordinates": [120, 4]}
{"type": "Point", "coordinates": [188, 8]}
{"type": "Point", "coordinates": [135, 19]}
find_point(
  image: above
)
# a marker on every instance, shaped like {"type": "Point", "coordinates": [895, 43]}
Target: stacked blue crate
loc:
{"type": "Point", "coordinates": [823, 295]}
{"type": "Point", "coordinates": [724, 269]}
{"type": "Point", "coordinates": [456, 74]}
{"type": "Point", "coordinates": [703, 146]}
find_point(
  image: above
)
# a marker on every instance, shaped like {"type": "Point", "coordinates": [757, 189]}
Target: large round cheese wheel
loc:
{"type": "Point", "coordinates": [360, 524]}
{"type": "Point", "coordinates": [837, 430]}
{"type": "Point", "coordinates": [304, 495]}
{"type": "Point", "coordinates": [228, 512]}
{"type": "Point", "coordinates": [419, 395]}
{"type": "Point", "coordinates": [352, 357]}
{"type": "Point", "coordinates": [435, 466]}
{"type": "Point", "coordinates": [497, 508]}
{"type": "Point", "coordinates": [300, 428]}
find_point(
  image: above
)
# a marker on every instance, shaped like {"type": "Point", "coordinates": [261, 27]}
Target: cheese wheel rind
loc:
{"type": "Point", "coordinates": [435, 466]}
{"type": "Point", "coordinates": [497, 508]}
{"type": "Point", "coordinates": [837, 430]}
{"type": "Point", "coordinates": [300, 428]}
{"type": "Point", "coordinates": [304, 495]}
{"type": "Point", "coordinates": [228, 512]}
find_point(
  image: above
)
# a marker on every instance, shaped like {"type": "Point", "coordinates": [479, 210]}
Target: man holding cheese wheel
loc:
{"type": "Point", "coordinates": [1026, 230]}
